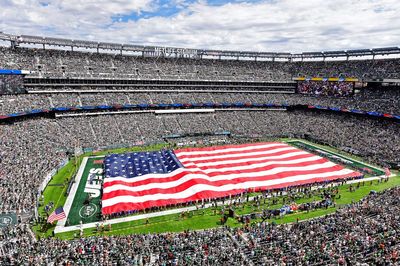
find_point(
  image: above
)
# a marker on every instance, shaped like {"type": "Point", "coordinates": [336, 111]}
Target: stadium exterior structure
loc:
{"type": "Point", "coordinates": [159, 51]}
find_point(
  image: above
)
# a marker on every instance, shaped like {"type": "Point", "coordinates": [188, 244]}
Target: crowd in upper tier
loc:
{"type": "Point", "coordinates": [61, 63]}
{"type": "Point", "coordinates": [385, 100]}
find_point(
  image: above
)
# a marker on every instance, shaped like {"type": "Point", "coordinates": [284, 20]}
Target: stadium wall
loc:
{"type": "Point", "coordinates": [86, 110]}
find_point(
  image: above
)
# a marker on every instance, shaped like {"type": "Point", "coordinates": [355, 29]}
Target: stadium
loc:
{"type": "Point", "coordinates": [125, 154]}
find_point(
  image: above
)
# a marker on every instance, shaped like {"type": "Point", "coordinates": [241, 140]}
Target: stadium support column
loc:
{"type": "Point", "coordinates": [14, 44]}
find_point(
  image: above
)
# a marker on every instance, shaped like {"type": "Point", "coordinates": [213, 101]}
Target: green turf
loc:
{"type": "Point", "coordinates": [76, 213]}
{"type": "Point", "coordinates": [338, 152]}
{"type": "Point", "coordinates": [172, 223]}
{"type": "Point", "coordinates": [347, 197]}
{"type": "Point", "coordinates": [198, 220]}
{"type": "Point", "coordinates": [55, 194]}
{"type": "Point", "coordinates": [332, 155]}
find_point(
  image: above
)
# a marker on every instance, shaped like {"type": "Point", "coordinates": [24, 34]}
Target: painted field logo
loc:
{"type": "Point", "coordinates": [5, 221]}
{"type": "Point", "coordinates": [88, 211]}
{"type": "Point", "coordinates": [93, 183]}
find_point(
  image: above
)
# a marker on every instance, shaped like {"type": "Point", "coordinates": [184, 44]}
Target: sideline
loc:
{"type": "Point", "coordinates": [168, 212]}
{"type": "Point", "coordinates": [74, 189]}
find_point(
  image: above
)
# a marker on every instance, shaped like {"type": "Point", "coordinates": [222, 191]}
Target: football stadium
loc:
{"type": "Point", "coordinates": [123, 153]}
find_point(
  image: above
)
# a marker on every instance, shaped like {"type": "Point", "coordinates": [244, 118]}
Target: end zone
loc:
{"type": "Point", "coordinates": [61, 225]}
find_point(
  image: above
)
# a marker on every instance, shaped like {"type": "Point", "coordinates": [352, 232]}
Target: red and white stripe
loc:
{"type": "Point", "coordinates": [55, 217]}
{"type": "Point", "coordinates": [214, 172]}
{"type": "Point", "coordinates": [387, 172]}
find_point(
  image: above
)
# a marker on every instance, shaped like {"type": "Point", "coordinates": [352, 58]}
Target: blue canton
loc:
{"type": "Point", "coordinates": [130, 165]}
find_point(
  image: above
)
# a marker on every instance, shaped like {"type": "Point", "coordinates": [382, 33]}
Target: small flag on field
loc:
{"type": "Point", "coordinates": [387, 172]}
{"type": "Point", "coordinates": [56, 215]}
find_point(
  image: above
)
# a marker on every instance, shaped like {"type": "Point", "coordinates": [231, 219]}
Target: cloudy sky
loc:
{"type": "Point", "coordinates": [258, 25]}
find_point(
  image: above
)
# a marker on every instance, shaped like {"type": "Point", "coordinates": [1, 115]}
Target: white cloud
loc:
{"type": "Point", "coordinates": [286, 25]}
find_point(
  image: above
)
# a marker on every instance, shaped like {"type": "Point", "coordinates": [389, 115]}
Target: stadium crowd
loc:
{"type": "Point", "coordinates": [11, 84]}
{"type": "Point", "coordinates": [32, 148]}
{"type": "Point", "coordinates": [336, 89]}
{"type": "Point", "coordinates": [380, 100]}
{"type": "Point", "coordinates": [61, 63]}
{"type": "Point", "coordinates": [363, 232]}
{"type": "Point", "coordinates": [27, 154]}
{"type": "Point", "coordinates": [366, 231]}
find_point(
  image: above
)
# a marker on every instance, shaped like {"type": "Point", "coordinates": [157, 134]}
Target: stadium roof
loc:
{"type": "Point", "coordinates": [187, 52]}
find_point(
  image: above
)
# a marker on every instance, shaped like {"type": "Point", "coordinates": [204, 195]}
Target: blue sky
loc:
{"type": "Point", "coordinates": [167, 8]}
{"type": "Point", "coordinates": [258, 25]}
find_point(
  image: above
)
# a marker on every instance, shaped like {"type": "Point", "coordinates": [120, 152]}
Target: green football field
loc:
{"type": "Point", "coordinates": [86, 201]}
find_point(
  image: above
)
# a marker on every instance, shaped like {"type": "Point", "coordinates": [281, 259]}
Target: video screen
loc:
{"type": "Point", "coordinates": [11, 84]}
{"type": "Point", "coordinates": [326, 88]}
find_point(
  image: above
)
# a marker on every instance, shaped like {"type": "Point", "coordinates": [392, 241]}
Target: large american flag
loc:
{"type": "Point", "coordinates": [56, 215]}
{"type": "Point", "coordinates": [136, 181]}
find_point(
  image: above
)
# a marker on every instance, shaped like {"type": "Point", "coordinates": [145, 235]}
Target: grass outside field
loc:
{"type": "Point", "coordinates": [173, 223]}
{"type": "Point", "coordinates": [57, 193]}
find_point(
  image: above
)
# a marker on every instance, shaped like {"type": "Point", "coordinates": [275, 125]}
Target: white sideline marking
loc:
{"type": "Point", "coordinates": [126, 219]}
{"type": "Point", "coordinates": [63, 229]}
{"type": "Point", "coordinates": [71, 196]}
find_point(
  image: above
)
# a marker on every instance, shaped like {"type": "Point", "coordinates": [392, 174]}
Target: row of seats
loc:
{"type": "Point", "coordinates": [381, 100]}
{"type": "Point", "coordinates": [61, 63]}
